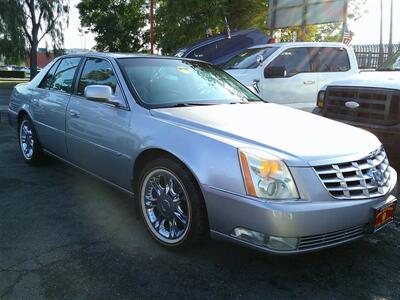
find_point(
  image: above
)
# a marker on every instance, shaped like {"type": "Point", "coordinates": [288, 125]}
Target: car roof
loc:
{"type": "Point", "coordinates": [300, 44]}
{"type": "Point", "coordinates": [126, 55]}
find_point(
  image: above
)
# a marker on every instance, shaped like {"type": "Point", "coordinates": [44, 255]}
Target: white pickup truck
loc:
{"type": "Point", "coordinates": [292, 73]}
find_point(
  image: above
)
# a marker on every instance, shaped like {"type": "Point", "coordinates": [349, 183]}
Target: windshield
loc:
{"type": "Point", "coordinates": [392, 64]}
{"type": "Point", "coordinates": [171, 82]}
{"type": "Point", "coordinates": [181, 52]}
{"type": "Point", "coordinates": [248, 58]}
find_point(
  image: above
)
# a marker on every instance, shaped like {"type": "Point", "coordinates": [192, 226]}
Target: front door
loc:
{"type": "Point", "coordinates": [98, 133]}
{"type": "Point", "coordinates": [298, 87]}
{"type": "Point", "coordinates": [49, 105]}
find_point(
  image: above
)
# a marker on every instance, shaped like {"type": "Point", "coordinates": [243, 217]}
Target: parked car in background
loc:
{"type": "Point", "coordinates": [292, 73]}
{"type": "Point", "coordinates": [369, 100]}
{"type": "Point", "coordinates": [220, 48]}
{"type": "Point", "coordinates": [200, 153]}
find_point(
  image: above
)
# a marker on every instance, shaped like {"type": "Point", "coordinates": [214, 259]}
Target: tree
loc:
{"type": "Point", "coordinates": [12, 41]}
{"type": "Point", "coordinates": [181, 22]}
{"type": "Point", "coordinates": [42, 18]}
{"type": "Point", "coordinates": [118, 25]}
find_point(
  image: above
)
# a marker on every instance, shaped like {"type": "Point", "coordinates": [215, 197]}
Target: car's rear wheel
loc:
{"type": "Point", "coordinates": [172, 206]}
{"type": "Point", "coordinates": [28, 142]}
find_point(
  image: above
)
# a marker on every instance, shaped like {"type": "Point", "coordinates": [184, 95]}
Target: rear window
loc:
{"type": "Point", "coordinates": [221, 48]}
{"type": "Point", "coordinates": [332, 60]}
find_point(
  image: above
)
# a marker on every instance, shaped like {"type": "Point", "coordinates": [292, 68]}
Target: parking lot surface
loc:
{"type": "Point", "coordinates": [66, 235]}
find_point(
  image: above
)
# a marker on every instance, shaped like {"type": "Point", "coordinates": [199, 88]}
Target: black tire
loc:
{"type": "Point", "coordinates": [37, 155]}
{"type": "Point", "coordinates": [197, 228]}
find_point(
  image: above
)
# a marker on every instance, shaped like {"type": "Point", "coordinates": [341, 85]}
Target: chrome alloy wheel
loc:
{"type": "Point", "coordinates": [165, 206]}
{"type": "Point", "coordinates": [26, 139]}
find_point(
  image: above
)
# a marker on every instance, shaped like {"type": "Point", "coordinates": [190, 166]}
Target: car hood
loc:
{"type": "Point", "coordinates": [300, 138]}
{"type": "Point", "coordinates": [378, 79]}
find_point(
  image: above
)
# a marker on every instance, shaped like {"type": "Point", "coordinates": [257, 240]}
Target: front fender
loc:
{"type": "Point", "coordinates": [212, 162]}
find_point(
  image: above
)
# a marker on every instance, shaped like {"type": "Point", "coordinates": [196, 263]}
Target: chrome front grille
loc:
{"type": "Point", "coordinates": [365, 178]}
{"type": "Point", "coordinates": [319, 240]}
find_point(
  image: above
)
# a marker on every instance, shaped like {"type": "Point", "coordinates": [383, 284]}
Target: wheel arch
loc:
{"type": "Point", "coordinates": [151, 153]}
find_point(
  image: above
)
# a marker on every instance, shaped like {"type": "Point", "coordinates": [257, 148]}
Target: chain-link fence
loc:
{"type": "Point", "coordinates": [368, 55]}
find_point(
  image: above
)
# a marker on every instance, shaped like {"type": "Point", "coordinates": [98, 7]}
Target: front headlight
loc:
{"type": "Point", "coordinates": [266, 176]}
{"type": "Point", "coordinates": [321, 99]}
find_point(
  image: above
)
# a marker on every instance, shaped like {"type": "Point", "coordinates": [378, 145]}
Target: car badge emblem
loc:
{"type": "Point", "coordinates": [352, 104]}
{"type": "Point", "coordinates": [377, 177]}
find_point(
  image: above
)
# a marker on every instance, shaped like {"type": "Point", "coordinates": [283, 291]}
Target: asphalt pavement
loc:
{"type": "Point", "coordinates": [63, 234]}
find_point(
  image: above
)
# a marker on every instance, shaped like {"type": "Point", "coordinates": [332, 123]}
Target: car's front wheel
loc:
{"type": "Point", "coordinates": [171, 204]}
{"type": "Point", "coordinates": [28, 142]}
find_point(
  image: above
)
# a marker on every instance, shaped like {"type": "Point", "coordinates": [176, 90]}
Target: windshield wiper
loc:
{"type": "Point", "coordinates": [186, 104]}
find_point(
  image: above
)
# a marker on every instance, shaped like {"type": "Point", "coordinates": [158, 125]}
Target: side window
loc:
{"type": "Point", "coordinates": [97, 71]}
{"type": "Point", "coordinates": [48, 79]}
{"type": "Point", "coordinates": [295, 60]}
{"type": "Point", "coordinates": [332, 60]}
{"type": "Point", "coordinates": [65, 75]}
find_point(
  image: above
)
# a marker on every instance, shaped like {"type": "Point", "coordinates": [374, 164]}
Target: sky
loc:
{"type": "Point", "coordinates": [366, 29]}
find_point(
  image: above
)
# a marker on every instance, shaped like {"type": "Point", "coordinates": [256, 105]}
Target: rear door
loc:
{"type": "Point", "coordinates": [50, 102]}
{"type": "Point", "coordinates": [331, 63]}
{"type": "Point", "coordinates": [299, 87]}
{"type": "Point", "coordinates": [98, 133]}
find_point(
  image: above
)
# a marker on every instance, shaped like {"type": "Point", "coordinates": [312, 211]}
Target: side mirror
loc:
{"type": "Point", "coordinates": [275, 72]}
{"type": "Point", "coordinates": [100, 93]}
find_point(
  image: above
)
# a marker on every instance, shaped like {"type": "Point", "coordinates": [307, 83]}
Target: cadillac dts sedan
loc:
{"type": "Point", "coordinates": [202, 155]}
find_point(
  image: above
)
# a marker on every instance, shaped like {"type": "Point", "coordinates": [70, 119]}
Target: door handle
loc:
{"type": "Point", "coordinates": [309, 82]}
{"type": "Point", "coordinates": [74, 113]}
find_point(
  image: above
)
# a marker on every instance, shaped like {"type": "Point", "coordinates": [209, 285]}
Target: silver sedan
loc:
{"type": "Point", "coordinates": [201, 154]}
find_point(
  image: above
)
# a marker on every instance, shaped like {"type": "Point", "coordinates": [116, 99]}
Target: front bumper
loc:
{"type": "Point", "coordinates": [319, 218]}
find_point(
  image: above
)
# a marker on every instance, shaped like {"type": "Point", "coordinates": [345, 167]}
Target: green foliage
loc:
{"type": "Point", "coordinates": [118, 24]}
{"type": "Point", "coordinates": [40, 18]}
{"type": "Point", "coordinates": [123, 25]}
{"type": "Point", "coordinates": [12, 41]}
{"type": "Point", "coordinates": [181, 22]}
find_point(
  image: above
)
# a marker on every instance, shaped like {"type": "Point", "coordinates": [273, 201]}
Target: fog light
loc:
{"type": "Point", "coordinates": [272, 242]}
{"type": "Point", "coordinates": [249, 236]}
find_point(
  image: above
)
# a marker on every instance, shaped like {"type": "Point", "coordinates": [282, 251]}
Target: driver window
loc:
{"type": "Point", "coordinates": [98, 71]}
{"type": "Point", "coordinates": [295, 60]}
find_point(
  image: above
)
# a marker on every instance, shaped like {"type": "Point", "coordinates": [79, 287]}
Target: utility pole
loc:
{"type": "Point", "coordinates": [390, 50]}
{"type": "Point", "coordinates": [380, 58]}
{"type": "Point", "coordinates": [344, 25]}
{"type": "Point", "coordinates": [304, 21]}
{"type": "Point", "coordinates": [151, 26]}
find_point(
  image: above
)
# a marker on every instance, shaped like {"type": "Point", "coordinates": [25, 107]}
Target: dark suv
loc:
{"type": "Point", "coordinates": [370, 100]}
{"type": "Point", "coordinates": [220, 48]}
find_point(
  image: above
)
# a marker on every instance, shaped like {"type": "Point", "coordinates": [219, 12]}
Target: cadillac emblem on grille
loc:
{"type": "Point", "coordinates": [377, 177]}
